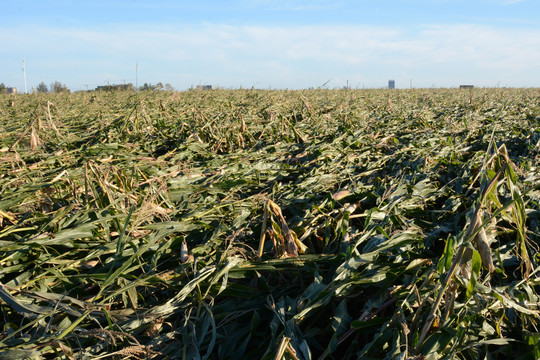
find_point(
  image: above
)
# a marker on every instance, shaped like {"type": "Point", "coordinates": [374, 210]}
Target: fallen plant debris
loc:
{"type": "Point", "coordinates": [232, 224]}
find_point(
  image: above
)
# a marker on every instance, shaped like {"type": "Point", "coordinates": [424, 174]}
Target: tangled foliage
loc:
{"type": "Point", "coordinates": [318, 224]}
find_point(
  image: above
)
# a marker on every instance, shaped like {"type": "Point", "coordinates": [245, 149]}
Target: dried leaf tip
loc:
{"type": "Point", "coordinates": [340, 195]}
{"type": "Point", "coordinates": [184, 254]}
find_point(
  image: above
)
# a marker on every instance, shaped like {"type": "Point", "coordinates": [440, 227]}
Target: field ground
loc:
{"type": "Point", "coordinates": [246, 224]}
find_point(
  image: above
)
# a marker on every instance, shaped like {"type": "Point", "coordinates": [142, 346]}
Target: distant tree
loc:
{"type": "Point", "coordinates": [154, 87]}
{"type": "Point", "coordinates": [2, 88]}
{"type": "Point", "coordinates": [169, 87]}
{"type": "Point", "coordinates": [147, 86]}
{"type": "Point", "coordinates": [42, 88]}
{"type": "Point", "coordinates": [58, 87]}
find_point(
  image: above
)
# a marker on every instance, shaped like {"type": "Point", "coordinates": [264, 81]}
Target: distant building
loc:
{"type": "Point", "coordinates": [466, 86]}
{"type": "Point", "coordinates": [11, 90]}
{"type": "Point", "coordinates": [391, 84]}
{"type": "Point", "coordinates": [204, 87]}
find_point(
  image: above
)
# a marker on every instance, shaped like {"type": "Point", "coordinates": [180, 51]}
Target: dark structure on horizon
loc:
{"type": "Point", "coordinates": [115, 87]}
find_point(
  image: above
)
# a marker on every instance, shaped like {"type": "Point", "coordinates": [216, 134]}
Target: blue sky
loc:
{"type": "Point", "coordinates": [271, 43]}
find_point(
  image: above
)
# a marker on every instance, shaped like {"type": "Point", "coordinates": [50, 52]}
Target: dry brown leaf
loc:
{"type": "Point", "coordinates": [153, 329]}
{"type": "Point", "coordinates": [290, 248]}
{"type": "Point", "coordinates": [340, 195]}
{"type": "Point", "coordinates": [184, 254]}
{"type": "Point", "coordinates": [89, 264]}
{"type": "Point", "coordinates": [68, 352]}
{"type": "Point", "coordinates": [7, 215]}
{"type": "Point", "coordinates": [34, 139]}
{"type": "Point", "coordinates": [107, 159]}
{"type": "Point", "coordinates": [484, 250]}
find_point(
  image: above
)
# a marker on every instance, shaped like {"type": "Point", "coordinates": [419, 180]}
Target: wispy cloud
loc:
{"type": "Point", "coordinates": [296, 5]}
{"type": "Point", "coordinates": [509, 2]}
{"type": "Point", "coordinates": [280, 56]}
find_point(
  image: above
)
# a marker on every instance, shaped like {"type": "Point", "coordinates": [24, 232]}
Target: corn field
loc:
{"type": "Point", "coordinates": [250, 224]}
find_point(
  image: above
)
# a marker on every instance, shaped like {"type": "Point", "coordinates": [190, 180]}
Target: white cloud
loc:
{"type": "Point", "coordinates": [295, 5]}
{"type": "Point", "coordinates": [284, 56]}
{"type": "Point", "coordinates": [508, 2]}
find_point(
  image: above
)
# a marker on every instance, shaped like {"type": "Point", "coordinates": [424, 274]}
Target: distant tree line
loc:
{"type": "Point", "coordinates": [146, 87]}
{"type": "Point", "coordinates": [58, 87]}
{"type": "Point", "coordinates": [116, 87]}
{"type": "Point", "coordinates": [55, 87]}
{"type": "Point", "coordinates": [156, 87]}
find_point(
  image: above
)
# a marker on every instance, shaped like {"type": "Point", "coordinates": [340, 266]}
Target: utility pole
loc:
{"type": "Point", "coordinates": [24, 73]}
{"type": "Point", "coordinates": [136, 76]}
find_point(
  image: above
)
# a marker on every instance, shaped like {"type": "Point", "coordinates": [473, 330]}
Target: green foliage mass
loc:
{"type": "Point", "coordinates": [323, 224]}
